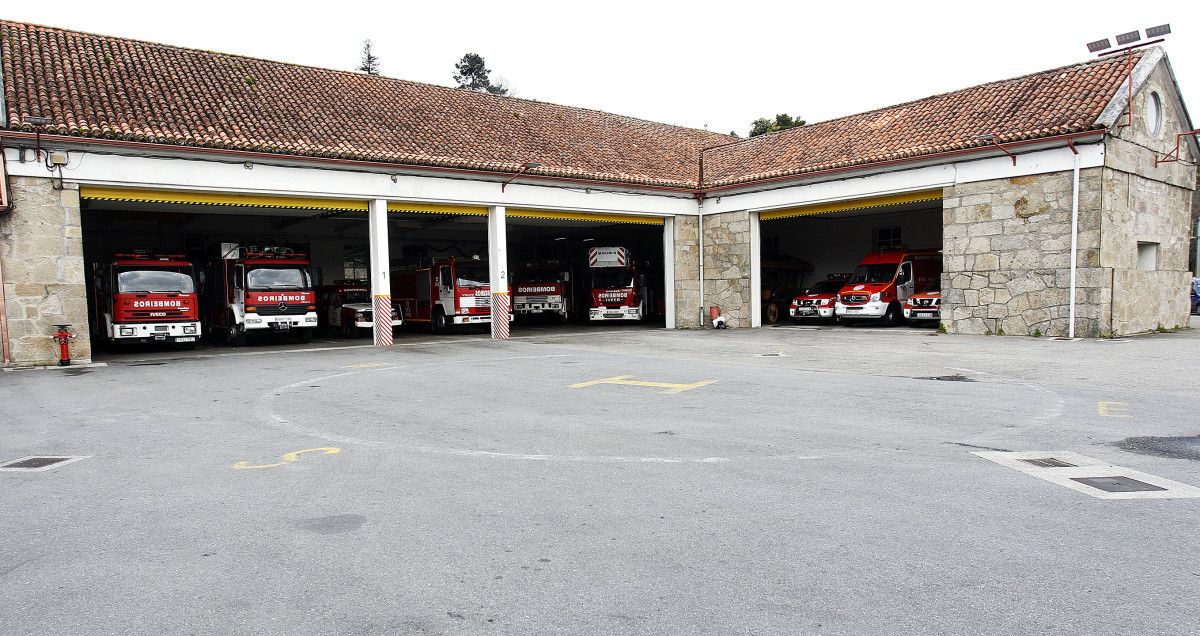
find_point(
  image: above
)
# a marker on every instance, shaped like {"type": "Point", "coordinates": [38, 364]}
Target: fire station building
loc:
{"type": "Point", "coordinates": [1061, 201]}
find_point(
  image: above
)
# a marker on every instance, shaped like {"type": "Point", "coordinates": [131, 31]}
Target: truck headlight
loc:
{"type": "Point", "coordinates": [253, 321]}
{"type": "Point", "coordinates": [126, 331]}
{"type": "Point", "coordinates": [310, 319]}
{"type": "Point", "coordinates": [875, 297]}
{"type": "Point", "coordinates": [189, 329]}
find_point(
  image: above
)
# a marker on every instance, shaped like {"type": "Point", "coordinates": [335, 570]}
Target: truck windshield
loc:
{"type": "Point", "coordinates": [277, 278]}
{"type": "Point", "coordinates": [883, 273]}
{"type": "Point", "coordinates": [612, 279]}
{"type": "Point", "coordinates": [472, 275]}
{"type": "Point", "coordinates": [356, 296]}
{"type": "Point", "coordinates": [155, 281]}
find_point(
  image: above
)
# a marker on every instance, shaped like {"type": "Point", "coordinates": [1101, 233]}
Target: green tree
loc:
{"type": "Point", "coordinates": [369, 63]}
{"type": "Point", "coordinates": [783, 121]}
{"type": "Point", "coordinates": [473, 74]}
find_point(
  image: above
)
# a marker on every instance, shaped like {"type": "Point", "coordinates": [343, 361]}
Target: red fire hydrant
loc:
{"type": "Point", "coordinates": [64, 337]}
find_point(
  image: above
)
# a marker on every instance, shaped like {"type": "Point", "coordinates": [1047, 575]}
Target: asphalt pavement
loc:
{"type": "Point", "coordinates": [787, 480]}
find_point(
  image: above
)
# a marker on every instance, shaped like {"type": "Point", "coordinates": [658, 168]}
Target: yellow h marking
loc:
{"type": "Point", "coordinates": [1112, 409]}
{"type": "Point", "coordinates": [624, 379]}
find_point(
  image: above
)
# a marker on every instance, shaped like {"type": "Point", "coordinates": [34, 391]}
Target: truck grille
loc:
{"type": "Point", "coordinates": [855, 299]}
{"type": "Point", "coordinates": [152, 315]}
{"type": "Point", "coordinates": [924, 302]}
{"type": "Point", "coordinates": [297, 309]}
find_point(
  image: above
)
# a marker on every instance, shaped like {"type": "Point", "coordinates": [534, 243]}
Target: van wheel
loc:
{"type": "Point", "coordinates": [893, 316]}
{"type": "Point", "coordinates": [771, 315]}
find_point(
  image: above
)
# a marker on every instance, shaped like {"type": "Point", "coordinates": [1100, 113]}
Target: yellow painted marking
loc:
{"type": "Point", "coordinates": [671, 387]}
{"type": "Point", "coordinates": [368, 365]}
{"type": "Point", "coordinates": [853, 204]}
{"type": "Point", "coordinates": [289, 457]}
{"type": "Point", "coordinates": [1112, 409]}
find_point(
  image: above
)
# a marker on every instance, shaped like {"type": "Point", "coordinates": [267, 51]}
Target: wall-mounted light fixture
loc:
{"type": "Point", "coordinates": [525, 167]}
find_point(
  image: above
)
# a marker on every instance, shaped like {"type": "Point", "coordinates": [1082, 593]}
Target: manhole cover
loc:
{"type": "Point", "coordinates": [38, 462]}
{"type": "Point", "coordinates": [1048, 462]}
{"type": "Point", "coordinates": [1117, 484]}
{"type": "Point", "coordinates": [948, 378]}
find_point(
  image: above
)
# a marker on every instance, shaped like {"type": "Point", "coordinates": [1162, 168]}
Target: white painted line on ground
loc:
{"type": "Point", "coordinates": [67, 459]}
{"type": "Point", "coordinates": [1084, 467]}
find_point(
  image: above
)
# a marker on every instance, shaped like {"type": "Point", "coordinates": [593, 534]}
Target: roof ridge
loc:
{"type": "Point", "coordinates": [452, 89]}
{"type": "Point", "coordinates": [794, 130]}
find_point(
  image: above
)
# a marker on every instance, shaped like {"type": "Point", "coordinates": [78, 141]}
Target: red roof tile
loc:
{"type": "Point", "coordinates": [116, 88]}
{"type": "Point", "coordinates": [1055, 102]}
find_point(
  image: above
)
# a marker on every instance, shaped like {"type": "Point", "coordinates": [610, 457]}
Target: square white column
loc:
{"type": "Point", "coordinates": [498, 269]}
{"type": "Point", "coordinates": [381, 278]}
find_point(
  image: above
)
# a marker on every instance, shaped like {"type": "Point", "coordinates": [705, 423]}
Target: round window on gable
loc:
{"type": "Point", "coordinates": [1154, 114]}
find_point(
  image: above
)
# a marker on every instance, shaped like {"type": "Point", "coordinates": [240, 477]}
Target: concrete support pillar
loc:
{"type": "Point", "coordinates": [668, 259]}
{"type": "Point", "coordinates": [498, 269]}
{"type": "Point", "coordinates": [381, 278]}
{"type": "Point", "coordinates": [756, 272]}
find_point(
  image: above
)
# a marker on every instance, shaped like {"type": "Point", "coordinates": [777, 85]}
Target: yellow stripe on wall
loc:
{"type": "Point", "coordinates": [594, 217]}
{"type": "Point", "coordinates": [852, 204]}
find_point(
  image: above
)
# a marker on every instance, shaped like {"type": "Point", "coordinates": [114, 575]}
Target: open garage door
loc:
{"type": "Point", "coordinates": [818, 248]}
{"type": "Point", "coordinates": [562, 272]}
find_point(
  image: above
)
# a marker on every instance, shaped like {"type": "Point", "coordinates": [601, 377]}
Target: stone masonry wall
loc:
{"type": "Point", "coordinates": [687, 272]}
{"type": "Point", "coordinates": [1006, 256]}
{"type": "Point", "coordinates": [727, 266]}
{"type": "Point", "coordinates": [41, 248]}
{"type": "Point", "coordinates": [1145, 203]}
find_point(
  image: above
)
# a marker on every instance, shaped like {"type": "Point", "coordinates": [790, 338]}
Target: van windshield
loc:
{"type": "Point", "coordinates": [154, 281]}
{"type": "Point", "coordinates": [883, 273]}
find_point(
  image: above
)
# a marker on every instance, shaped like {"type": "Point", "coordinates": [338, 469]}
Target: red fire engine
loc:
{"type": "Point", "coordinates": [445, 293]}
{"type": "Point", "coordinates": [346, 305]}
{"type": "Point", "coordinates": [145, 298]}
{"type": "Point", "coordinates": [259, 290]}
{"type": "Point", "coordinates": [542, 290]}
{"type": "Point", "coordinates": [619, 290]}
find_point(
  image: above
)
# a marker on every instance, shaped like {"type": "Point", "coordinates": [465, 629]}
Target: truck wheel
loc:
{"type": "Point", "coordinates": [562, 318]}
{"type": "Point", "coordinates": [771, 315]}
{"type": "Point", "coordinates": [893, 316]}
{"type": "Point", "coordinates": [304, 336]}
{"type": "Point", "coordinates": [236, 336]}
{"type": "Point", "coordinates": [349, 330]}
{"type": "Point", "coordinates": [440, 324]}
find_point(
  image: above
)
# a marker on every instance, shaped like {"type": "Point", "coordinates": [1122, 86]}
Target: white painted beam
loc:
{"type": "Point", "coordinates": [668, 256]}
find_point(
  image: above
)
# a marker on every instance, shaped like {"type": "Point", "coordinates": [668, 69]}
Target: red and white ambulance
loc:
{"type": "Point", "coordinates": [145, 298]}
{"type": "Point", "coordinates": [884, 280]}
{"type": "Point", "coordinates": [542, 290]}
{"type": "Point", "coordinates": [346, 306]}
{"type": "Point", "coordinates": [445, 293]}
{"type": "Point", "coordinates": [260, 290]}
{"type": "Point", "coordinates": [619, 290]}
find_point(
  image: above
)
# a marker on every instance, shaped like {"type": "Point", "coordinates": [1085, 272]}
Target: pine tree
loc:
{"type": "Point", "coordinates": [370, 63]}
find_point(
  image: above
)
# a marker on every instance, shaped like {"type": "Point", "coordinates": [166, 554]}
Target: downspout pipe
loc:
{"type": "Point", "coordinates": [5, 353]}
{"type": "Point", "coordinates": [1074, 238]}
{"type": "Point", "coordinates": [700, 233]}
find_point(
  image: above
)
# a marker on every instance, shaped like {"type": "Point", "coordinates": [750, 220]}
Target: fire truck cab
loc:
{"type": "Point", "coordinates": [145, 298]}
{"type": "Point", "coordinates": [884, 280]}
{"type": "Point", "coordinates": [346, 305]}
{"type": "Point", "coordinates": [542, 290]}
{"type": "Point", "coordinates": [445, 293]}
{"type": "Point", "coordinates": [260, 290]}
{"type": "Point", "coordinates": [619, 290]}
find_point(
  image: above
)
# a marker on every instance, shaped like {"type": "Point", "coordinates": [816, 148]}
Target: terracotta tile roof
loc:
{"type": "Point", "coordinates": [1059, 101]}
{"type": "Point", "coordinates": [116, 88]}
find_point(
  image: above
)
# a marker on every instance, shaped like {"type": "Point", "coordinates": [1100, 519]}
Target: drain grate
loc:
{"type": "Point", "coordinates": [1117, 484]}
{"type": "Point", "coordinates": [1048, 462]}
{"type": "Point", "coordinates": [40, 462]}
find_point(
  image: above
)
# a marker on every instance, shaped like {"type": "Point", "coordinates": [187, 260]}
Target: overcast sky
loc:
{"type": "Point", "coordinates": [717, 65]}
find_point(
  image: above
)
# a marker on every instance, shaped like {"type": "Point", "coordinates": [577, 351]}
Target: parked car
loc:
{"type": "Point", "coordinates": [819, 300]}
{"type": "Point", "coordinates": [1196, 296]}
{"type": "Point", "coordinates": [923, 307]}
